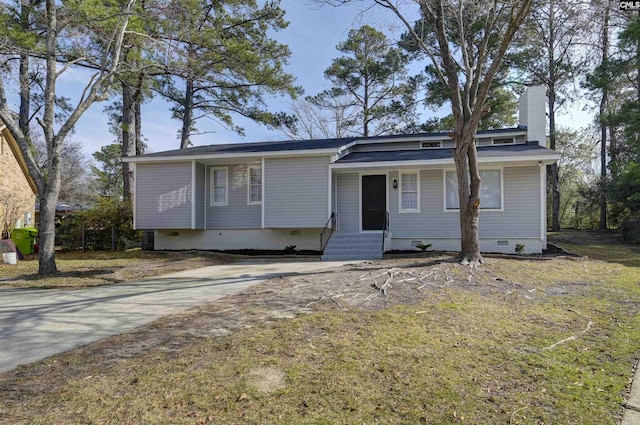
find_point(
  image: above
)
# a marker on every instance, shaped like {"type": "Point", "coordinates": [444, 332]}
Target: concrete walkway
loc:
{"type": "Point", "coordinates": [632, 407]}
{"type": "Point", "coordinates": [37, 323]}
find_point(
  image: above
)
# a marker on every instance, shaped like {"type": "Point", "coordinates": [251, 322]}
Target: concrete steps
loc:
{"type": "Point", "coordinates": [353, 246]}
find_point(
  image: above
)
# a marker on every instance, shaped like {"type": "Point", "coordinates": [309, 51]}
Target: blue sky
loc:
{"type": "Point", "coordinates": [312, 35]}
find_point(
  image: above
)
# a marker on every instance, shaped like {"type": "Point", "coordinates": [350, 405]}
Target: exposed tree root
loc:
{"type": "Point", "coordinates": [471, 260]}
{"type": "Point", "coordinates": [387, 284]}
{"type": "Point", "coordinates": [571, 338]}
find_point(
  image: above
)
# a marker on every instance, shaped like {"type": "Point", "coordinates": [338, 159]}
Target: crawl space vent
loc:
{"type": "Point", "coordinates": [502, 243]}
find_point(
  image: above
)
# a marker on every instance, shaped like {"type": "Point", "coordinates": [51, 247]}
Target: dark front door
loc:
{"type": "Point", "coordinates": [374, 202]}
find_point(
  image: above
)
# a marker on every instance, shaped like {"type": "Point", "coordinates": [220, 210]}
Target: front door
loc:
{"type": "Point", "coordinates": [374, 202]}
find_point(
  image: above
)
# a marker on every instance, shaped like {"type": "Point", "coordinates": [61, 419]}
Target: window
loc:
{"type": "Point", "coordinates": [507, 141]}
{"type": "Point", "coordinates": [219, 186]}
{"type": "Point", "coordinates": [255, 185]}
{"type": "Point", "coordinates": [431, 145]}
{"type": "Point", "coordinates": [409, 190]}
{"type": "Point", "coordinates": [490, 190]}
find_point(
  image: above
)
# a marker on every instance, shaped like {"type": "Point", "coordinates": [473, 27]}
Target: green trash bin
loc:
{"type": "Point", "coordinates": [25, 238]}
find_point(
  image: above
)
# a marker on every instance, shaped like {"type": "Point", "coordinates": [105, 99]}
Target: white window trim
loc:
{"type": "Point", "coordinates": [408, 210]}
{"type": "Point", "coordinates": [226, 187]}
{"type": "Point", "coordinates": [249, 202]}
{"type": "Point", "coordinates": [484, 210]}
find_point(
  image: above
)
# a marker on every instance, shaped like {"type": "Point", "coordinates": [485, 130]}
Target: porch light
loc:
{"type": "Point", "coordinates": [395, 183]}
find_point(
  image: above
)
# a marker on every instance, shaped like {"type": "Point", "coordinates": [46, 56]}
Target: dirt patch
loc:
{"type": "Point", "coordinates": [266, 379]}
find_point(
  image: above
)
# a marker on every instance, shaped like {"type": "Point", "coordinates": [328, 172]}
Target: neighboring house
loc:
{"type": "Point", "coordinates": [270, 195]}
{"type": "Point", "coordinates": [17, 189]}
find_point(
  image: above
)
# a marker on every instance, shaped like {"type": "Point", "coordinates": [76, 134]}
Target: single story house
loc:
{"type": "Point", "coordinates": [370, 194]}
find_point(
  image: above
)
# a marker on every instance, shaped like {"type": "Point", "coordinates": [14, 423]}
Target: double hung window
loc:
{"type": "Point", "coordinates": [219, 186]}
{"type": "Point", "coordinates": [409, 192]}
{"type": "Point", "coordinates": [490, 190]}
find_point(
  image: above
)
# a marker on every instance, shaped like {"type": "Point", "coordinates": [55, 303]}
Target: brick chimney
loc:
{"type": "Point", "coordinates": [532, 114]}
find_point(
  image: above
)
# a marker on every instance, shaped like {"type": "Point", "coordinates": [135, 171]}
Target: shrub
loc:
{"type": "Point", "coordinates": [423, 247]}
{"type": "Point", "coordinates": [106, 219]}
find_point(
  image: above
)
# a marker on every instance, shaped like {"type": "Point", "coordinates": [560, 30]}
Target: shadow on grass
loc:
{"type": "Point", "coordinates": [96, 277]}
{"type": "Point", "coordinates": [599, 245]}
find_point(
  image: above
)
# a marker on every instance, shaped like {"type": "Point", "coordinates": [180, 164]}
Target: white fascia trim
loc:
{"type": "Point", "coordinates": [199, 157]}
{"type": "Point", "coordinates": [548, 159]}
{"type": "Point", "coordinates": [347, 146]}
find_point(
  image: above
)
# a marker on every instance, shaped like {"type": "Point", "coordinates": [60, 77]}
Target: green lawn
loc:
{"type": "Point", "coordinates": [528, 342]}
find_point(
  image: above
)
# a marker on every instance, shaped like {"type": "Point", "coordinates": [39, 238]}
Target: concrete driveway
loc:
{"type": "Point", "coordinates": [36, 323]}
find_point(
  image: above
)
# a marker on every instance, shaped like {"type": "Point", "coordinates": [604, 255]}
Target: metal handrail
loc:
{"type": "Point", "coordinates": [331, 221]}
{"type": "Point", "coordinates": [385, 228]}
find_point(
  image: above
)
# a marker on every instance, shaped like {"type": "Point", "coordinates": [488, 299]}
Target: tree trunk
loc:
{"type": "Point", "coordinates": [128, 138]}
{"type": "Point", "coordinates": [47, 177]}
{"type": "Point", "coordinates": [187, 115]}
{"type": "Point", "coordinates": [603, 126]}
{"type": "Point", "coordinates": [465, 158]}
{"type": "Point", "coordinates": [47, 232]}
{"type": "Point", "coordinates": [553, 168]}
{"type": "Point", "coordinates": [25, 79]}
{"type": "Point", "coordinates": [603, 162]}
{"type": "Point", "coordinates": [555, 200]}
{"type": "Point", "coordinates": [138, 114]}
{"type": "Point", "coordinates": [25, 99]}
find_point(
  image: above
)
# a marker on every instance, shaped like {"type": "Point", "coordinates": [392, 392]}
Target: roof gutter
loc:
{"type": "Point", "coordinates": [197, 157]}
{"type": "Point", "coordinates": [540, 159]}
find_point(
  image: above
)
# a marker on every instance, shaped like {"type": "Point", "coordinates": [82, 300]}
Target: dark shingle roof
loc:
{"type": "Point", "coordinates": [294, 145]}
{"type": "Point", "coordinates": [522, 150]}
{"type": "Point", "coordinates": [285, 145]}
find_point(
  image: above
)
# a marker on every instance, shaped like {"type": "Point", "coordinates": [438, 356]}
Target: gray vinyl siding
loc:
{"type": "Point", "coordinates": [348, 202]}
{"type": "Point", "coordinates": [200, 195]}
{"type": "Point", "coordinates": [296, 192]}
{"type": "Point", "coordinates": [237, 214]}
{"type": "Point", "coordinates": [520, 218]}
{"type": "Point", "coordinates": [163, 196]}
{"type": "Point", "coordinates": [431, 221]}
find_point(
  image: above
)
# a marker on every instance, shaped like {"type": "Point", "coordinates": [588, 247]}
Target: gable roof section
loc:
{"type": "Point", "coordinates": [256, 147]}
{"type": "Point", "coordinates": [15, 149]}
{"type": "Point", "coordinates": [294, 147]}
